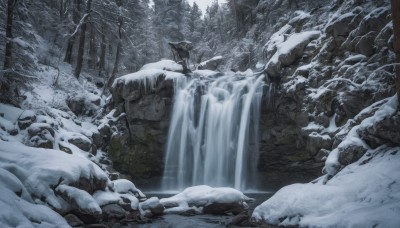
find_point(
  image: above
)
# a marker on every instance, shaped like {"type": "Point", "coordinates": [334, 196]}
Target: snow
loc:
{"type": "Point", "coordinates": [215, 58]}
{"type": "Point", "coordinates": [82, 198]}
{"type": "Point", "coordinates": [42, 168]}
{"type": "Point", "coordinates": [21, 211]}
{"type": "Point", "coordinates": [286, 47]}
{"type": "Point", "coordinates": [358, 196]}
{"type": "Point", "coordinates": [164, 64]}
{"type": "Point", "coordinates": [201, 196]}
{"type": "Point", "coordinates": [147, 77]}
{"type": "Point", "coordinates": [106, 197]}
{"type": "Point", "coordinates": [125, 186]}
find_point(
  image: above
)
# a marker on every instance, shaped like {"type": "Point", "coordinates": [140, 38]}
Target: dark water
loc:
{"type": "Point", "coordinates": [198, 221]}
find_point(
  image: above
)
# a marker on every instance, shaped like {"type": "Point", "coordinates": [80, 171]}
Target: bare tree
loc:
{"type": "Point", "coordinates": [82, 38]}
{"type": "Point", "coordinates": [396, 33]}
{"type": "Point", "coordinates": [9, 25]}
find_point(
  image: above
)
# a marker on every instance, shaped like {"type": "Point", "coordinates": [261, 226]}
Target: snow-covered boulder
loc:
{"type": "Point", "coordinates": [289, 51]}
{"type": "Point", "coordinates": [205, 199]}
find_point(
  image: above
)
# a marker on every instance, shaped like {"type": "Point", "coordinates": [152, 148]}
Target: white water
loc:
{"type": "Point", "coordinates": [213, 135]}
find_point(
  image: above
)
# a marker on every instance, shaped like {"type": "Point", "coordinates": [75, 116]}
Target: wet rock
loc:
{"type": "Point", "coordinates": [73, 220]}
{"type": "Point", "coordinates": [224, 208]}
{"type": "Point", "coordinates": [242, 219]}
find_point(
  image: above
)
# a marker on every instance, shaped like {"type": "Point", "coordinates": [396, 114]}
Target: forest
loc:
{"type": "Point", "coordinates": [167, 113]}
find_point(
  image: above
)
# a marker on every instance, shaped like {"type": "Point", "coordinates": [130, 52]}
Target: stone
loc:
{"type": "Point", "coordinates": [26, 118]}
{"type": "Point", "coordinates": [224, 208]}
{"type": "Point", "coordinates": [73, 220]}
{"type": "Point", "coordinates": [82, 142]}
{"type": "Point", "coordinates": [242, 219]}
{"type": "Point", "coordinates": [322, 155]}
{"type": "Point", "coordinates": [365, 44]}
{"type": "Point", "coordinates": [316, 142]}
{"type": "Point", "coordinates": [351, 153]}
{"type": "Point", "coordinates": [76, 105]}
{"type": "Point", "coordinates": [151, 107]}
{"type": "Point", "coordinates": [113, 211]}
{"type": "Point", "coordinates": [384, 132]}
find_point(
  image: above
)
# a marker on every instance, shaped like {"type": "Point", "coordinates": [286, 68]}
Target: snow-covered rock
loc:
{"type": "Point", "coordinates": [211, 64]}
{"type": "Point", "coordinates": [288, 51]}
{"type": "Point", "coordinates": [198, 197]}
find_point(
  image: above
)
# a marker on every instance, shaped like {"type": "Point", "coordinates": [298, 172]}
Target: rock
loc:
{"type": "Point", "coordinates": [322, 155]}
{"type": "Point", "coordinates": [41, 135]}
{"type": "Point", "coordinates": [211, 64]}
{"type": "Point", "coordinates": [316, 142]}
{"type": "Point", "coordinates": [351, 153]}
{"type": "Point", "coordinates": [384, 132]}
{"type": "Point", "coordinates": [113, 211]}
{"type": "Point", "coordinates": [76, 105]}
{"type": "Point", "coordinates": [288, 52]}
{"type": "Point", "coordinates": [151, 107]}
{"type": "Point", "coordinates": [365, 44]}
{"type": "Point", "coordinates": [224, 208]}
{"type": "Point", "coordinates": [341, 26]}
{"type": "Point", "coordinates": [242, 219]}
{"type": "Point", "coordinates": [81, 141]}
{"type": "Point", "coordinates": [26, 118]}
{"type": "Point", "coordinates": [73, 220]}
{"type": "Point", "coordinates": [90, 185]}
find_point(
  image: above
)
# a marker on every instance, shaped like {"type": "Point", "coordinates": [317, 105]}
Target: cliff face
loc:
{"type": "Point", "coordinates": [324, 63]}
{"type": "Point", "coordinates": [319, 83]}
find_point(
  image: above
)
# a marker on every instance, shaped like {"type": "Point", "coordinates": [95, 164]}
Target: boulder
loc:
{"type": "Point", "coordinates": [73, 220]}
{"type": "Point", "coordinates": [76, 105]}
{"type": "Point", "coordinates": [113, 211]}
{"type": "Point", "coordinates": [26, 118]}
{"type": "Point", "coordinates": [288, 52]}
{"type": "Point", "coordinates": [224, 208]}
{"type": "Point", "coordinates": [365, 44]}
{"type": "Point", "coordinates": [41, 135]}
{"type": "Point", "coordinates": [316, 142]}
{"type": "Point", "coordinates": [384, 132]}
{"type": "Point", "coordinates": [350, 153]}
{"type": "Point", "coordinates": [82, 142]}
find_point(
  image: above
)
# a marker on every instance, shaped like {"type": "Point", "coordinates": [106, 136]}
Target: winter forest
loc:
{"type": "Point", "coordinates": [200, 113]}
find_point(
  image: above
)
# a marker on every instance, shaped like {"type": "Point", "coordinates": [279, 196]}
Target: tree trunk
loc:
{"type": "Point", "coordinates": [81, 47]}
{"type": "Point", "coordinates": [396, 33]}
{"type": "Point", "coordinates": [9, 24]}
{"type": "Point", "coordinates": [75, 17]}
{"type": "Point", "coordinates": [103, 47]}
{"type": "Point", "coordinates": [92, 48]}
{"type": "Point", "coordinates": [117, 55]}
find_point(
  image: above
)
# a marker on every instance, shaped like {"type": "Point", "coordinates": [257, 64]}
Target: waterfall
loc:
{"type": "Point", "coordinates": [213, 134]}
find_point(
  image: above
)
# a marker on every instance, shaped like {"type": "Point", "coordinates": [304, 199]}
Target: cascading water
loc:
{"type": "Point", "coordinates": [213, 135]}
